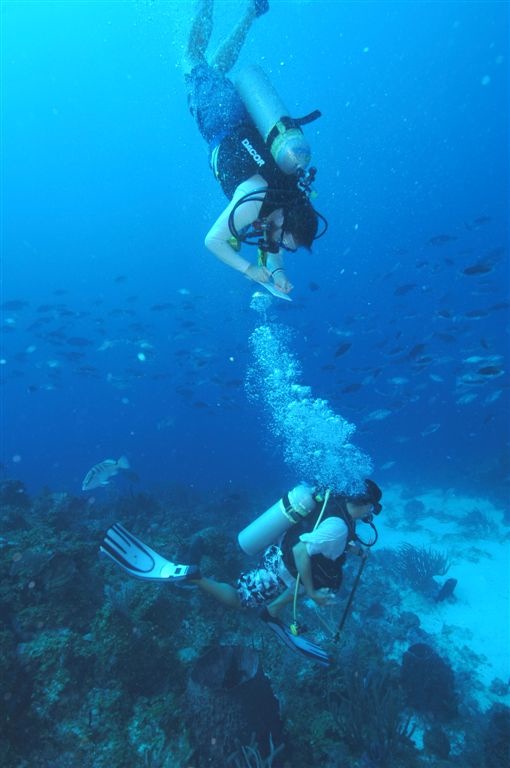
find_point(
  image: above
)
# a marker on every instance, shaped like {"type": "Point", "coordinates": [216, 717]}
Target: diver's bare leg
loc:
{"type": "Point", "coordinates": [200, 34]}
{"type": "Point", "coordinates": [275, 606]}
{"type": "Point", "coordinates": [224, 593]}
{"type": "Point", "coordinates": [228, 52]}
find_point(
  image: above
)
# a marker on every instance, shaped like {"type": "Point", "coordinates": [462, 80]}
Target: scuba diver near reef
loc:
{"type": "Point", "coordinates": [303, 540]}
{"type": "Point", "coordinates": [257, 153]}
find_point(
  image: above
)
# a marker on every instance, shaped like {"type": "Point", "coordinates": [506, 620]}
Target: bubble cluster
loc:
{"type": "Point", "coordinates": [315, 440]}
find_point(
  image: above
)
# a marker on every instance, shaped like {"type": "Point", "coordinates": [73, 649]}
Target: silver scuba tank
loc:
{"type": "Point", "coordinates": [282, 135]}
{"type": "Point", "coordinates": [271, 524]}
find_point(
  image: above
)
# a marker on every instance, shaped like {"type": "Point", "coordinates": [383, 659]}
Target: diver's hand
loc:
{"type": "Point", "coordinates": [281, 281]}
{"type": "Point", "coordinates": [322, 596]}
{"type": "Point", "coordinates": [258, 274]}
{"type": "Point", "coordinates": [356, 549]}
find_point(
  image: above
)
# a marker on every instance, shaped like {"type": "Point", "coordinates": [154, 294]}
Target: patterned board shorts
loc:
{"type": "Point", "coordinates": [263, 583]}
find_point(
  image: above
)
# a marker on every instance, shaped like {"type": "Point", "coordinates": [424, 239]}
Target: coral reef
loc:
{"type": "Point", "coordinates": [497, 737]}
{"type": "Point", "coordinates": [99, 670]}
{"type": "Point", "coordinates": [369, 710]}
{"type": "Point", "coordinates": [417, 566]}
{"type": "Point", "coordinates": [428, 682]}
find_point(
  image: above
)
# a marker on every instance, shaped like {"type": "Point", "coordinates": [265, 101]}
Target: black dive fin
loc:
{"type": "Point", "coordinates": [139, 560]}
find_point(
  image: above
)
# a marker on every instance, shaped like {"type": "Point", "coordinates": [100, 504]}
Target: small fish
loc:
{"type": "Point", "coordinates": [446, 590]}
{"type": "Point", "coordinates": [101, 473]}
{"type": "Point", "coordinates": [401, 290]}
{"type": "Point", "coordinates": [476, 313]}
{"type": "Point", "coordinates": [430, 429]}
{"type": "Point", "coordinates": [378, 415]}
{"type": "Point", "coordinates": [480, 268]}
{"type": "Point", "coordinates": [342, 348]}
{"type": "Point", "coordinates": [478, 222]}
{"type": "Point", "coordinates": [466, 399]}
{"type": "Point", "coordinates": [490, 370]}
{"type": "Point", "coordinates": [493, 396]}
{"type": "Point", "coordinates": [14, 305]}
{"type": "Point", "coordinates": [416, 351]}
{"type": "Point", "coordinates": [79, 341]}
{"type": "Point", "coordinates": [313, 286]}
{"type": "Point", "coordinates": [441, 239]}
{"type": "Point", "coordinates": [351, 388]}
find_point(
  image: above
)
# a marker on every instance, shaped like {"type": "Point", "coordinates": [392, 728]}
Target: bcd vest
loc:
{"type": "Point", "coordinates": [325, 572]}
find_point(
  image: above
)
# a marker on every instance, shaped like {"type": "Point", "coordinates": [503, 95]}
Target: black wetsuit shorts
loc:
{"type": "Point", "coordinates": [243, 154]}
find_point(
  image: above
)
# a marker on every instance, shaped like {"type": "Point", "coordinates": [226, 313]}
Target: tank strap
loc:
{"type": "Point", "coordinates": [308, 118]}
{"type": "Point", "coordinates": [289, 511]}
{"type": "Point", "coordinates": [286, 123]}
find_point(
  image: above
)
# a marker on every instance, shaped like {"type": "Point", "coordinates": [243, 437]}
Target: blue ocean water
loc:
{"type": "Point", "coordinates": [122, 335]}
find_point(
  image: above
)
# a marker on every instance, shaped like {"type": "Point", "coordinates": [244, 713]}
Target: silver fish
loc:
{"type": "Point", "coordinates": [101, 473]}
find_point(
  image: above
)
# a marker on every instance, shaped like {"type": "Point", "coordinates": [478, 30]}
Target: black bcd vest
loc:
{"type": "Point", "coordinates": [325, 572]}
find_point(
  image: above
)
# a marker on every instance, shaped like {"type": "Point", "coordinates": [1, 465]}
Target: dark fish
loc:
{"type": "Point", "coordinates": [446, 590]}
{"type": "Point", "coordinates": [161, 307]}
{"type": "Point", "coordinates": [441, 239]}
{"type": "Point", "coordinates": [351, 388]}
{"type": "Point", "coordinates": [480, 268]}
{"type": "Point", "coordinates": [328, 367]}
{"type": "Point", "coordinates": [490, 370]}
{"type": "Point", "coordinates": [313, 286]}
{"type": "Point", "coordinates": [343, 348]}
{"type": "Point", "coordinates": [72, 355]}
{"type": "Point", "coordinates": [79, 341]}
{"type": "Point", "coordinates": [403, 289]}
{"type": "Point", "coordinates": [120, 312]}
{"type": "Point", "coordinates": [446, 337]}
{"type": "Point", "coordinates": [417, 350]}
{"type": "Point", "coordinates": [14, 304]}
{"type": "Point", "coordinates": [120, 279]}
{"type": "Point", "coordinates": [476, 313]}
{"type": "Point", "coordinates": [478, 222]}
{"type": "Point", "coordinates": [88, 370]}
{"type": "Point", "coordinates": [445, 313]}
{"type": "Point", "coordinates": [424, 360]}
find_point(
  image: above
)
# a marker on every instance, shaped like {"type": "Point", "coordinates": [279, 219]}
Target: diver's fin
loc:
{"type": "Point", "coordinates": [141, 561]}
{"type": "Point", "coordinates": [297, 643]}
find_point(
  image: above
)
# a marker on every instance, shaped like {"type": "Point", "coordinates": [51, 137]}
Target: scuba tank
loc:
{"type": "Point", "coordinates": [281, 133]}
{"type": "Point", "coordinates": [272, 523]}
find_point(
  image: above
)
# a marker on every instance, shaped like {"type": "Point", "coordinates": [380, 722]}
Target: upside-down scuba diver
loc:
{"type": "Point", "coordinates": [257, 152]}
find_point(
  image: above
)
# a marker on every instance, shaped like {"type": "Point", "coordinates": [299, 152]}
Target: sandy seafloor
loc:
{"type": "Point", "coordinates": [474, 626]}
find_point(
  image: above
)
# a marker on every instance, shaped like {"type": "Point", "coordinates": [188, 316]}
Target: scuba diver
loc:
{"type": "Point", "coordinates": [305, 537]}
{"type": "Point", "coordinates": [269, 206]}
